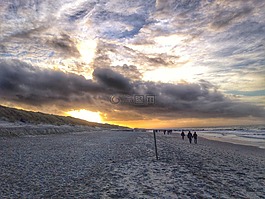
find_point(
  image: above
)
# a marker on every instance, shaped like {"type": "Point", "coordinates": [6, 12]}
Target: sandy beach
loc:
{"type": "Point", "coordinates": [113, 164]}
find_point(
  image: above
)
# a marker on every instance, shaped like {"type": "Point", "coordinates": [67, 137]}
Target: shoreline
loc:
{"type": "Point", "coordinates": [239, 141]}
{"type": "Point", "coordinates": [230, 138]}
{"type": "Point", "coordinates": [218, 144]}
{"type": "Point", "coordinates": [235, 146]}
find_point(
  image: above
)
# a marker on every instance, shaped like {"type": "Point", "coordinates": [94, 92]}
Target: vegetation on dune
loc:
{"type": "Point", "coordinates": [17, 115]}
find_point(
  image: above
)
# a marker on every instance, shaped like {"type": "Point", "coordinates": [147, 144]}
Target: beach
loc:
{"type": "Point", "coordinates": [122, 164]}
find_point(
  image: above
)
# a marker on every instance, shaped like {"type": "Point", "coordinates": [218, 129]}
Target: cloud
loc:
{"type": "Point", "coordinates": [122, 25]}
{"type": "Point", "coordinates": [80, 12]}
{"type": "Point", "coordinates": [112, 54]}
{"type": "Point", "coordinates": [102, 58]}
{"type": "Point", "coordinates": [224, 18]}
{"type": "Point", "coordinates": [201, 100]}
{"type": "Point", "coordinates": [111, 79]}
{"type": "Point", "coordinates": [129, 71]}
{"type": "Point", "coordinates": [24, 84]}
{"type": "Point", "coordinates": [2, 48]}
{"type": "Point", "coordinates": [27, 34]}
{"type": "Point", "coordinates": [224, 38]}
{"type": "Point", "coordinates": [175, 5]}
{"type": "Point", "coordinates": [65, 45]}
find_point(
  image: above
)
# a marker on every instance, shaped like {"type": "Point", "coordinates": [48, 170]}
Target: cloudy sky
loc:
{"type": "Point", "coordinates": [142, 63]}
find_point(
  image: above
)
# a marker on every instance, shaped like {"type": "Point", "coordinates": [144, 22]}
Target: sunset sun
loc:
{"type": "Point", "coordinates": [86, 115]}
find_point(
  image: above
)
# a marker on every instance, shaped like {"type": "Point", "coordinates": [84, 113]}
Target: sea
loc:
{"type": "Point", "coordinates": [244, 135]}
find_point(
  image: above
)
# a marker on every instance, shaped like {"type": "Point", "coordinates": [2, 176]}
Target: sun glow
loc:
{"type": "Point", "coordinates": [174, 75]}
{"type": "Point", "coordinates": [86, 115]}
{"type": "Point", "coordinates": [87, 50]}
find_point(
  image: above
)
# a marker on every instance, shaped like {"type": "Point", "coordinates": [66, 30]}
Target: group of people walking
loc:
{"type": "Point", "coordinates": [190, 136]}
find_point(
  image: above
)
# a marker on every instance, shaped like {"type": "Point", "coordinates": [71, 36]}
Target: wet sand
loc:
{"type": "Point", "coordinates": [112, 164]}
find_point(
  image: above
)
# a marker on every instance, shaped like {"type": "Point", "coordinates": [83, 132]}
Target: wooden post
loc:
{"type": "Point", "coordinates": [155, 144]}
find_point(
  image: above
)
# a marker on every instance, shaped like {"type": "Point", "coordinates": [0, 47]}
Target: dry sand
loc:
{"type": "Point", "coordinates": [111, 164]}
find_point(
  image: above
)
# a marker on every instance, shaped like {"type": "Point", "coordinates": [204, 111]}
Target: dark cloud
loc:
{"type": "Point", "coordinates": [201, 100]}
{"type": "Point", "coordinates": [65, 44]}
{"type": "Point", "coordinates": [162, 59]}
{"type": "Point", "coordinates": [79, 14]}
{"type": "Point", "coordinates": [27, 34]}
{"type": "Point", "coordinates": [111, 79]}
{"type": "Point", "coordinates": [24, 84]}
{"type": "Point", "coordinates": [103, 60]}
{"type": "Point", "coordinates": [157, 60]}
{"type": "Point", "coordinates": [128, 71]}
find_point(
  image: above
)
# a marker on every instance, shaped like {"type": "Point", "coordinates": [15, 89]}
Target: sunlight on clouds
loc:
{"type": "Point", "coordinates": [87, 50]}
{"type": "Point", "coordinates": [163, 44]}
{"type": "Point", "coordinates": [166, 75]}
{"type": "Point", "coordinates": [86, 115]}
{"type": "Point", "coordinates": [169, 40]}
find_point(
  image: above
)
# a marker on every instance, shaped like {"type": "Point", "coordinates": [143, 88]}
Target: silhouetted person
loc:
{"type": "Point", "coordinates": [189, 136]}
{"type": "Point", "coordinates": [195, 137]}
{"type": "Point", "coordinates": [182, 135]}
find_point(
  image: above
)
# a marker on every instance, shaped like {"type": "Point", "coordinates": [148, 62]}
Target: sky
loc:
{"type": "Point", "coordinates": [138, 63]}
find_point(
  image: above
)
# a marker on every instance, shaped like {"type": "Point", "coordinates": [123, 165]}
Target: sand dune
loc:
{"type": "Point", "coordinates": [10, 129]}
{"type": "Point", "coordinates": [11, 117]}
